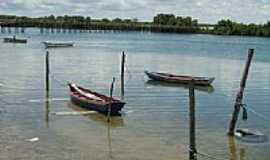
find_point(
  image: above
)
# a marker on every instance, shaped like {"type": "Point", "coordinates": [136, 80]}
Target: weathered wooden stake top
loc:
{"type": "Point", "coordinates": [192, 122]}
{"type": "Point", "coordinates": [123, 75]}
{"type": "Point", "coordinates": [239, 96]}
{"type": "Point", "coordinates": [47, 72]}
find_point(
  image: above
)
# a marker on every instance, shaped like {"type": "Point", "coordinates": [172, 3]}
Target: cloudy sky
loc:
{"type": "Point", "coordinates": [210, 11]}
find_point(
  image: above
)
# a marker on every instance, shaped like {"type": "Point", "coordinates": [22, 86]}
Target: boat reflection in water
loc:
{"type": "Point", "coordinates": [116, 120]}
{"type": "Point", "coordinates": [209, 89]}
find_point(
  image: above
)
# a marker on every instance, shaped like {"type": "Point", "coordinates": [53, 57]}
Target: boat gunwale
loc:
{"type": "Point", "coordinates": [105, 99]}
{"type": "Point", "coordinates": [179, 78]}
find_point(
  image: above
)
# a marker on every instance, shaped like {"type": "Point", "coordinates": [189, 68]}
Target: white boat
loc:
{"type": "Point", "coordinates": [49, 44]}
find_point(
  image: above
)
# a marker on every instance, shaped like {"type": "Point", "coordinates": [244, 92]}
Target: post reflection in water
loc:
{"type": "Point", "coordinates": [47, 109]}
{"type": "Point", "coordinates": [109, 141]}
{"type": "Point", "coordinates": [116, 120]}
{"type": "Point", "coordinates": [233, 149]}
{"type": "Point", "coordinates": [192, 122]}
{"type": "Point", "coordinates": [242, 153]}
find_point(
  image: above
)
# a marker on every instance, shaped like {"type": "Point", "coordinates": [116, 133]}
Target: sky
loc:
{"type": "Point", "coordinates": [206, 11]}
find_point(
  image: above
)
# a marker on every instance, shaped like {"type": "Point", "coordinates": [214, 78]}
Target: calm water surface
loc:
{"type": "Point", "coordinates": [154, 123]}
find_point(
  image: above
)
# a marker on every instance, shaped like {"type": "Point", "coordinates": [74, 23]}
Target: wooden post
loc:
{"type": "Point", "coordinates": [41, 29]}
{"type": "Point", "coordinates": [9, 30]}
{"type": "Point", "coordinates": [192, 122]}
{"type": "Point", "coordinates": [239, 96]}
{"type": "Point", "coordinates": [123, 75]}
{"type": "Point", "coordinates": [47, 72]}
{"type": "Point", "coordinates": [22, 30]}
{"type": "Point", "coordinates": [110, 105]}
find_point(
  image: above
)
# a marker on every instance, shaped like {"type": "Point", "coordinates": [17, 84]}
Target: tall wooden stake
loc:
{"type": "Point", "coordinates": [239, 96]}
{"type": "Point", "coordinates": [123, 75]}
{"type": "Point", "coordinates": [47, 72]}
{"type": "Point", "coordinates": [110, 105]}
{"type": "Point", "coordinates": [47, 68]}
{"type": "Point", "coordinates": [192, 122]}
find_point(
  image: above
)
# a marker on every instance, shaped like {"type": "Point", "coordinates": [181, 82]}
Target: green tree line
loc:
{"type": "Point", "coordinates": [170, 19]}
{"type": "Point", "coordinates": [160, 23]}
{"type": "Point", "coordinates": [228, 27]}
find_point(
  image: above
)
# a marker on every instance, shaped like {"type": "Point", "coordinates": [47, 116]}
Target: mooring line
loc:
{"type": "Point", "coordinates": [210, 156]}
{"type": "Point", "coordinates": [48, 100]}
{"type": "Point", "coordinates": [7, 103]}
{"type": "Point", "coordinates": [258, 114]}
{"type": "Point", "coordinates": [74, 113]}
{"type": "Point", "coordinates": [58, 81]}
{"type": "Point", "coordinates": [128, 72]}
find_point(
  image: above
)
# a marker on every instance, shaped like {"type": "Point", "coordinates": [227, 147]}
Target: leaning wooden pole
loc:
{"type": "Point", "coordinates": [47, 72]}
{"type": "Point", "coordinates": [110, 105]}
{"type": "Point", "coordinates": [192, 123]}
{"type": "Point", "coordinates": [239, 96]}
{"type": "Point", "coordinates": [123, 75]}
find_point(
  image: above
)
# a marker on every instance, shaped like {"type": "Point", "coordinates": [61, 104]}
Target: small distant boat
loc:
{"type": "Point", "coordinates": [94, 101]}
{"type": "Point", "coordinates": [172, 78]}
{"type": "Point", "coordinates": [51, 44]}
{"type": "Point", "coordinates": [14, 40]}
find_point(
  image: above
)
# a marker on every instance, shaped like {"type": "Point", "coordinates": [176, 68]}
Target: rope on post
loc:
{"type": "Point", "coordinates": [244, 113]}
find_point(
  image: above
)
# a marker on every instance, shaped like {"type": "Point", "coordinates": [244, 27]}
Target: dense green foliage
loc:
{"type": "Point", "coordinates": [161, 23]}
{"type": "Point", "coordinates": [80, 22]}
{"type": "Point", "coordinates": [170, 19]}
{"type": "Point", "coordinates": [227, 27]}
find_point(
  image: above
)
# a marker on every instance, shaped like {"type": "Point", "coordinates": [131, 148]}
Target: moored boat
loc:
{"type": "Point", "coordinates": [183, 79]}
{"type": "Point", "coordinates": [50, 44]}
{"type": "Point", "coordinates": [94, 101]}
{"type": "Point", "coordinates": [14, 40]}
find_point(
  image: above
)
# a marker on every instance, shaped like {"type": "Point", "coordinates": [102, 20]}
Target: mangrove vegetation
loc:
{"type": "Point", "coordinates": [168, 23]}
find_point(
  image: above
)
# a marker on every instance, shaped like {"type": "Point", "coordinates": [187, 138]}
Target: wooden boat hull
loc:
{"type": "Point", "coordinates": [96, 105]}
{"type": "Point", "coordinates": [58, 44]}
{"type": "Point", "coordinates": [14, 40]}
{"type": "Point", "coordinates": [103, 108]}
{"type": "Point", "coordinates": [170, 78]}
{"type": "Point", "coordinates": [203, 88]}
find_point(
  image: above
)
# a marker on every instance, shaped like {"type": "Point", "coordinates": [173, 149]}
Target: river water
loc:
{"type": "Point", "coordinates": [154, 123]}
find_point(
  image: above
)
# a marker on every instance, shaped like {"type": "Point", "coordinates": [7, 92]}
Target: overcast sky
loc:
{"type": "Point", "coordinates": [247, 11]}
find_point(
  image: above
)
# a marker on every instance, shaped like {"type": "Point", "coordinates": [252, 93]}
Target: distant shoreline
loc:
{"type": "Point", "coordinates": [162, 23]}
